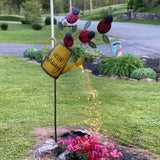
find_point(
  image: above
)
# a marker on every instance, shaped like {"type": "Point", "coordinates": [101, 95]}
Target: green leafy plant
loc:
{"type": "Point", "coordinates": [85, 54]}
{"type": "Point", "coordinates": [4, 26]}
{"type": "Point", "coordinates": [48, 20]}
{"type": "Point", "coordinates": [36, 26]}
{"type": "Point", "coordinates": [141, 73]}
{"type": "Point", "coordinates": [33, 53]}
{"type": "Point", "coordinates": [119, 66]}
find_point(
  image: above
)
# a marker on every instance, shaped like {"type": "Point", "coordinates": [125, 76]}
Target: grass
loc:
{"type": "Point", "coordinates": [129, 110]}
{"type": "Point", "coordinates": [99, 12]}
{"type": "Point", "coordinates": [10, 18]}
{"type": "Point", "coordinates": [18, 33]}
{"type": "Point", "coordinates": [155, 9]}
{"type": "Point", "coordinates": [154, 22]}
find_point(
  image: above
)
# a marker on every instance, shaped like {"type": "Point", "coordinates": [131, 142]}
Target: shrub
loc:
{"type": "Point", "coordinates": [81, 52]}
{"type": "Point", "coordinates": [36, 26]}
{"type": "Point", "coordinates": [39, 54]}
{"type": "Point", "coordinates": [30, 53]}
{"type": "Point", "coordinates": [36, 54]}
{"type": "Point", "coordinates": [48, 20]}
{"type": "Point", "coordinates": [119, 66]}
{"type": "Point", "coordinates": [141, 73]}
{"type": "Point", "coordinates": [4, 26]}
{"type": "Point", "coordinates": [24, 21]}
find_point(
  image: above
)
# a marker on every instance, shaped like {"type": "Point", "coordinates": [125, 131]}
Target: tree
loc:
{"type": "Point", "coordinates": [32, 11]}
{"type": "Point", "coordinates": [17, 4]}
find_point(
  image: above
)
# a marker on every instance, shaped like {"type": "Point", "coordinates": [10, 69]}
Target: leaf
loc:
{"type": "Point", "coordinates": [60, 25]}
{"type": "Point", "coordinates": [105, 38]}
{"type": "Point", "coordinates": [87, 24]}
{"type": "Point", "coordinates": [74, 28]}
{"type": "Point", "coordinates": [92, 45]}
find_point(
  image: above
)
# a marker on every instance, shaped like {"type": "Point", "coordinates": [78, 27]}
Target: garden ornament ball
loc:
{"type": "Point", "coordinates": [55, 63]}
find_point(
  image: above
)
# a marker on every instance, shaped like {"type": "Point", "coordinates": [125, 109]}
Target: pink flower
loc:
{"type": "Point", "coordinates": [114, 154]}
{"type": "Point", "coordinates": [102, 159]}
{"type": "Point", "coordinates": [76, 148]}
{"type": "Point", "coordinates": [105, 152]}
{"type": "Point", "coordinates": [111, 146]}
{"type": "Point", "coordinates": [120, 154]}
{"type": "Point", "coordinates": [70, 147]}
{"type": "Point", "coordinates": [60, 142]}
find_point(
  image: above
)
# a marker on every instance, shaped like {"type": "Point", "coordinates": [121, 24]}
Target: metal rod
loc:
{"type": "Point", "coordinates": [55, 118]}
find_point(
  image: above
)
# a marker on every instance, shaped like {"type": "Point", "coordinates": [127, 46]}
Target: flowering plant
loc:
{"type": "Point", "coordinates": [85, 148]}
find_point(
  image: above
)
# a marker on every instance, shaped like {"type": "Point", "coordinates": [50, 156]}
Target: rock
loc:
{"type": "Point", "coordinates": [87, 70]}
{"type": "Point", "coordinates": [144, 57]}
{"type": "Point", "coordinates": [124, 78]}
{"type": "Point", "coordinates": [147, 80]}
{"type": "Point", "coordinates": [63, 156]}
{"type": "Point", "coordinates": [132, 79]}
{"type": "Point", "coordinates": [81, 132]}
{"type": "Point", "coordinates": [114, 77]}
{"type": "Point", "coordinates": [158, 74]}
{"type": "Point", "coordinates": [158, 70]}
{"type": "Point", "coordinates": [49, 147]}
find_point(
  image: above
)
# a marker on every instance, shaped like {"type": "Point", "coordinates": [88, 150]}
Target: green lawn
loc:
{"type": "Point", "coordinates": [20, 33]}
{"type": "Point", "coordinates": [99, 12]}
{"type": "Point", "coordinates": [129, 110]}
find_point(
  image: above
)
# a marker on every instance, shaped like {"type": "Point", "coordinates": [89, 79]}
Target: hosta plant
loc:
{"type": "Point", "coordinates": [142, 73]}
{"type": "Point", "coordinates": [85, 54]}
{"type": "Point", "coordinates": [120, 66]}
{"type": "Point", "coordinates": [85, 148]}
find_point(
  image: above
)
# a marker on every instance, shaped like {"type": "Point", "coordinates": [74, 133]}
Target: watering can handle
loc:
{"type": "Point", "coordinates": [46, 45]}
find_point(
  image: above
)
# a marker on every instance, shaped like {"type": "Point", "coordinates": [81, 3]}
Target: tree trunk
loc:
{"type": "Point", "coordinates": [21, 10]}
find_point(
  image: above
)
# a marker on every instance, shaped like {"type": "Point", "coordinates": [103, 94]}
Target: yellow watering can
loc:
{"type": "Point", "coordinates": [55, 63]}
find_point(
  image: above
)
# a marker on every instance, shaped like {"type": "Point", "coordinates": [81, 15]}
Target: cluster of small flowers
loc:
{"type": "Point", "coordinates": [90, 148]}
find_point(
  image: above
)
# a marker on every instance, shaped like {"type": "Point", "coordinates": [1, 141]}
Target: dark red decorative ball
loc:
{"type": "Point", "coordinates": [83, 36]}
{"type": "Point", "coordinates": [71, 18]}
{"type": "Point", "coordinates": [68, 43]}
{"type": "Point", "coordinates": [102, 27]}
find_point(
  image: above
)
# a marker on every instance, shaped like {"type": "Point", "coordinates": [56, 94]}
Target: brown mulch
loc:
{"type": "Point", "coordinates": [130, 153]}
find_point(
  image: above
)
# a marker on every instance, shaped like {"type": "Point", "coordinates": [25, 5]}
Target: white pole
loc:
{"type": "Point", "coordinates": [70, 5]}
{"type": "Point", "coordinates": [52, 22]}
{"type": "Point", "coordinates": [91, 7]}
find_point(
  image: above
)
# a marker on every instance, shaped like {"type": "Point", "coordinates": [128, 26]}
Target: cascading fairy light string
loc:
{"type": "Point", "coordinates": [94, 119]}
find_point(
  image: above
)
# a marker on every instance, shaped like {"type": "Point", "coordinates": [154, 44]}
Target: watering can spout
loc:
{"type": "Point", "coordinates": [78, 64]}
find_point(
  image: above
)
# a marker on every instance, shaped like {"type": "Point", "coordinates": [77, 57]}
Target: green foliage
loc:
{"type": "Point", "coordinates": [119, 66]}
{"type": "Point", "coordinates": [85, 54]}
{"type": "Point", "coordinates": [32, 11]}
{"type": "Point", "coordinates": [24, 21]}
{"type": "Point", "coordinates": [36, 26]}
{"type": "Point", "coordinates": [33, 53]}
{"type": "Point", "coordinates": [142, 73]}
{"type": "Point", "coordinates": [4, 26]}
{"type": "Point", "coordinates": [130, 4]}
{"type": "Point", "coordinates": [138, 4]}
{"type": "Point", "coordinates": [48, 20]}
{"type": "Point", "coordinates": [10, 18]}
